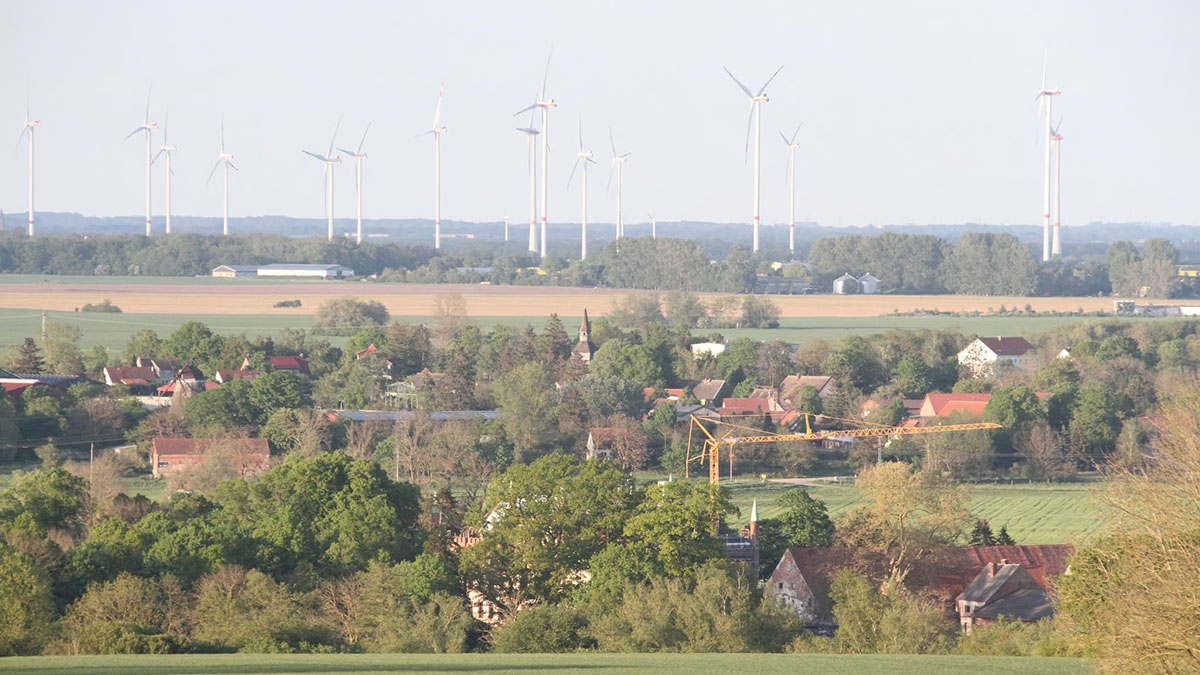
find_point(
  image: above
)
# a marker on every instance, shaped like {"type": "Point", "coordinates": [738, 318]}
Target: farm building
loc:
{"type": "Point", "coordinates": [169, 455]}
{"type": "Point", "coordinates": [981, 356]}
{"type": "Point", "coordinates": [845, 285]}
{"type": "Point", "coordinates": [307, 270]}
{"type": "Point", "coordinates": [1002, 590]}
{"type": "Point", "coordinates": [235, 271]}
{"type": "Point", "coordinates": [868, 284]}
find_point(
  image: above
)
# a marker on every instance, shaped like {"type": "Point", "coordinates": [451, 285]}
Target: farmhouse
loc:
{"type": "Point", "coordinates": [789, 389]}
{"type": "Point", "coordinates": [981, 356]}
{"type": "Point", "coordinates": [296, 364]}
{"type": "Point", "coordinates": [601, 443]}
{"type": "Point", "coordinates": [170, 455]}
{"type": "Point", "coordinates": [235, 271]}
{"type": "Point", "coordinates": [942, 405]}
{"type": "Point", "coordinates": [1002, 590]}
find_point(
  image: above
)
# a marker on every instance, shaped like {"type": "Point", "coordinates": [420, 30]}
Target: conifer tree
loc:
{"type": "Point", "coordinates": [29, 358]}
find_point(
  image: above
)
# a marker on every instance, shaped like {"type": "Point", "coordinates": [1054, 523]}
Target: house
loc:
{"type": "Point", "coordinates": [319, 271]}
{"type": "Point", "coordinates": [802, 579]}
{"type": "Point", "coordinates": [845, 285]}
{"type": "Point", "coordinates": [249, 456]}
{"type": "Point", "coordinates": [708, 391]}
{"type": "Point", "coordinates": [585, 349]}
{"type": "Point", "coordinates": [1003, 590]}
{"type": "Point", "coordinates": [409, 415]}
{"type": "Point", "coordinates": [224, 376]}
{"type": "Point", "coordinates": [868, 284]}
{"type": "Point", "coordinates": [1064, 353]}
{"type": "Point", "coordinates": [912, 406]}
{"type": "Point", "coordinates": [131, 375]}
{"type": "Point", "coordinates": [942, 405]}
{"type": "Point", "coordinates": [981, 356]}
{"type": "Point", "coordinates": [188, 382]}
{"type": "Point", "coordinates": [425, 378]}
{"type": "Point", "coordinates": [164, 369]}
{"type": "Point", "coordinates": [685, 411]}
{"type": "Point", "coordinates": [235, 271]}
{"type": "Point", "coordinates": [713, 349]}
{"type": "Point", "coordinates": [296, 364]}
{"type": "Point", "coordinates": [734, 407]}
{"type": "Point", "coordinates": [15, 384]}
{"type": "Point", "coordinates": [601, 443]}
{"type": "Point", "coordinates": [789, 389]}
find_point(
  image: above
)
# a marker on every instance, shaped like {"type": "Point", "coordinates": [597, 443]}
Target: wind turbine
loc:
{"type": "Point", "coordinates": [437, 132]}
{"type": "Point", "coordinates": [505, 228]}
{"type": "Point", "coordinates": [618, 162]}
{"type": "Point", "coordinates": [792, 146]}
{"type": "Point", "coordinates": [756, 101]}
{"type": "Point", "coordinates": [227, 159]}
{"type": "Point", "coordinates": [1045, 99]}
{"type": "Point", "coordinates": [148, 127]}
{"type": "Point", "coordinates": [166, 149]}
{"type": "Point", "coordinates": [1056, 137]}
{"type": "Point", "coordinates": [329, 159]}
{"type": "Point", "coordinates": [653, 227]}
{"type": "Point", "coordinates": [531, 133]}
{"type": "Point", "coordinates": [358, 156]}
{"type": "Point", "coordinates": [545, 105]}
{"type": "Point", "coordinates": [584, 157]}
{"type": "Point", "coordinates": [30, 125]}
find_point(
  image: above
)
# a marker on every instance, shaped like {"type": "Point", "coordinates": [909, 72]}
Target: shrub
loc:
{"type": "Point", "coordinates": [351, 313]}
{"type": "Point", "coordinates": [1005, 638]}
{"type": "Point", "coordinates": [543, 629]}
{"type": "Point", "coordinates": [106, 307]}
{"type": "Point", "coordinates": [287, 303]}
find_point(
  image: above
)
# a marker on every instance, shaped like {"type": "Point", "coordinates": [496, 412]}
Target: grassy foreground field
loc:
{"type": "Point", "coordinates": [1034, 514]}
{"type": "Point", "coordinates": [600, 664]}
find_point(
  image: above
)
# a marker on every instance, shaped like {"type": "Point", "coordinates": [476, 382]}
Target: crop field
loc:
{"type": "Point", "coordinates": [1034, 514]}
{"type": "Point", "coordinates": [204, 295]}
{"type": "Point", "coordinates": [502, 664]}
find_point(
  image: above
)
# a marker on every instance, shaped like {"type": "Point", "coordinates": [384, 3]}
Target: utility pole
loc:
{"type": "Point", "coordinates": [91, 461]}
{"type": "Point", "coordinates": [43, 325]}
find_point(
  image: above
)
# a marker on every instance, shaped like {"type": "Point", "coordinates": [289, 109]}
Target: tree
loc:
{"type": "Point", "coordinates": [683, 309]}
{"type": "Point", "coordinates": [1094, 418]}
{"type": "Point", "coordinates": [854, 363]}
{"type": "Point", "coordinates": [983, 263]}
{"type": "Point", "coordinates": [804, 521]}
{"type": "Point", "coordinates": [912, 376]}
{"type": "Point", "coordinates": [636, 311]}
{"type": "Point", "coordinates": [46, 499]}
{"type": "Point", "coordinates": [629, 441]}
{"type": "Point", "coordinates": [351, 313]}
{"type": "Point", "coordinates": [305, 432]}
{"type": "Point", "coordinates": [144, 343]}
{"type": "Point", "coordinates": [26, 604]}
{"type": "Point", "coordinates": [759, 313]}
{"type": "Point", "coordinates": [554, 344]}
{"type": "Point", "coordinates": [544, 629]}
{"type": "Point", "coordinates": [247, 610]}
{"type": "Point", "coordinates": [891, 621]}
{"type": "Point", "coordinates": [1044, 450]}
{"type": "Point", "coordinates": [675, 522]}
{"type": "Point", "coordinates": [981, 534]}
{"type": "Point", "coordinates": [29, 358]}
{"type": "Point", "coordinates": [628, 361]}
{"type": "Point", "coordinates": [449, 317]}
{"type": "Point", "coordinates": [61, 347]}
{"type": "Point", "coordinates": [526, 399]}
{"type": "Point", "coordinates": [809, 400]}
{"type": "Point", "coordinates": [907, 516]}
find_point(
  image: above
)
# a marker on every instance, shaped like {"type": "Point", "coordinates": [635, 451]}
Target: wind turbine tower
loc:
{"type": "Point", "coordinates": [756, 101]}
{"type": "Point", "coordinates": [30, 125]}
{"type": "Point", "coordinates": [791, 147]}
{"type": "Point", "coordinates": [437, 131]}
{"type": "Point", "coordinates": [1056, 136]}
{"type": "Point", "coordinates": [148, 127]}
{"type": "Point", "coordinates": [167, 149]}
{"type": "Point", "coordinates": [1045, 98]}
{"type": "Point", "coordinates": [358, 156]}
{"type": "Point", "coordinates": [227, 159]}
{"type": "Point", "coordinates": [584, 157]}
{"type": "Point", "coordinates": [531, 133]}
{"type": "Point", "coordinates": [329, 159]}
{"type": "Point", "coordinates": [653, 227]}
{"type": "Point", "coordinates": [545, 104]}
{"type": "Point", "coordinates": [618, 163]}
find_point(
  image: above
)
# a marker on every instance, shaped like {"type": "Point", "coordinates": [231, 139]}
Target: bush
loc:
{"type": "Point", "coordinates": [287, 303]}
{"type": "Point", "coordinates": [351, 313]}
{"type": "Point", "coordinates": [1005, 638]}
{"type": "Point", "coordinates": [543, 629]}
{"type": "Point", "coordinates": [105, 307]}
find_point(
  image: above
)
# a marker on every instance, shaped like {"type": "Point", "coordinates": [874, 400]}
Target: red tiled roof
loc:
{"type": "Point", "coordinates": [130, 374]}
{"type": "Point", "coordinates": [197, 446]}
{"type": "Point", "coordinates": [940, 402]}
{"type": "Point", "coordinates": [1006, 346]}
{"type": "Point", "coordinates": [736, 406]}
{"type": "Point", "coordinates": [295, 363]}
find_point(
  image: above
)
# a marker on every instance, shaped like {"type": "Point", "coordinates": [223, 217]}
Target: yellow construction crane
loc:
{"type": "Point", "coordinates": [710, 449]}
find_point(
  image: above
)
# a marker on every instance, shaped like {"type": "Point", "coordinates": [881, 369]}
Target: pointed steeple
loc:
{"type": "Point", "coordinates": [754, 511]}
{"type": "Point", "coordinates": [585, 328]}
{"type": "Point", "coordinates": [585, 348]}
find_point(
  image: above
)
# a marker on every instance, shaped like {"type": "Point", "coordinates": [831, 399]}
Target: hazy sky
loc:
{"type": "Point", "coordinates": [917, 112]}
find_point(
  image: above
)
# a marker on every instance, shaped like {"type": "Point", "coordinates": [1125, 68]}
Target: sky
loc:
{"type": "Point", "coordinates": [913, 112]}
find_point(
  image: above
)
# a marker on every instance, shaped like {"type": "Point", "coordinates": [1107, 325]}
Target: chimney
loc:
{"type": "Point", "coordinates": [991, 570]}
{"type": "Point", "coordinates": [1004, 561]}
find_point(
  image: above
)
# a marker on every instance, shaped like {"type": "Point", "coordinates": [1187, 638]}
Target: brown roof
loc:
{"type": "Point", "coordinates": [198, 446]}
{"type": "Point", "coordinates": [789, 389]}
{"type": "Point", "coordinates": [944, 404]}
{"type": "Point", "coordinates": [1007, 346]}
{"type": "Point", "coordinates": [294, 363]}
{"type": "Point", "coordinates": [129, 373]}
{"type": "Point", "coordinates": [707, 390]}
{"type": "Point", "coordinates": [603, 434]}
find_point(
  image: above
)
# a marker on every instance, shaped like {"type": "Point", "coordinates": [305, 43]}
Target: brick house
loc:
{"type": "Point", "coordinates": [251, 456]}
{"type": "Point", "coordinates": [1002, 590]}
{"type": "Point", "coordinates": [981, 356]}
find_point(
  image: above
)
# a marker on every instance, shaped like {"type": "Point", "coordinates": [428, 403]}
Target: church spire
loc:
{"type": "Point", "coordinates": [585, 328]}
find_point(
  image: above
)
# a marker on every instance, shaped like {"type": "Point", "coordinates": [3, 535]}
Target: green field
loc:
{"type": "Point", "coordinates": [600, 664]}
{"type": "Point", "coordinates": [113, 330]}
{"type": "Point", "coordinates": [1034, 514]}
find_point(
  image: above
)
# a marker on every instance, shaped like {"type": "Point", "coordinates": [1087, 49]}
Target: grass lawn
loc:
{"type": "Point", "coordinates": [803, 329]}
{"type": "Point", "coordinates": [140, 485]}
{"type": "Point", "coordinates": [600, 664]}
{"type": "Point", "coordinates": [1034, 514]}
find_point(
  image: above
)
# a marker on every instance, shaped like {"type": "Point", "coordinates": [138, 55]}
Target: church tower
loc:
{"type": "Point", "coordinates": [585, 347]}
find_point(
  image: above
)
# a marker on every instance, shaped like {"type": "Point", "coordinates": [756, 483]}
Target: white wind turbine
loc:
{"type": "Point", "coordinates": [584, 157]}
{"type": "Point", "coordinates": [1056, 137]}
{"type": "Point", "coordinates": [792, 146]}
{"type": "Point", "coordinates": [437, 132]}
{"type": "Point", "coordinates": [166, 149]}
{"type": "Point", "coordinates": [1045, 99]}
{"type": "Point", "coordinates": [358, 156]}
{"type": "Point", "coordinates": [227, 159]}
{"type": "Point", "coordinates": [545, 105]}
{"type": "Point", "coordinates": [756, 101]}
{"type": "Point", "coordinates": [653, 227]}
{"type": "Point", "coordinates": [148, 127]}
{"type": "Point", "coordinates": [618, 162]}
{"type": "Point", "coordinates": [531, 133]}
{"type": "Point", "coordinates": [329, 160]}
{"type": "Point", "coordinates": [30, 125]}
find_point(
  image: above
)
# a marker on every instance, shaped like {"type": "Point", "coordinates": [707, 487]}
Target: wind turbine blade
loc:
{"type": "Point", "coordinates": [437, 113]}
{"type": "Point", "coordinates": [795, 134]}
{"type": "Point", "coordinates": [785, 140]}
{"type": "Point", "coordinates": [20, 138]}
{"type": "Point", "coordinates": [612, 142]}
{"type": "Point", "coordinates": [166, 126]}
{"type": "Point", "coordinates": [581, 134]}
{"type": "Point", "coordinates": [610, 175]}
{"type": "Point", "coordinates": [525, 109]}
{"type": "Point", "coordinates": [590, 160]}
{"type": "Point", "coordinates": [210, 173]}
{"type": "Point", "coordinates": [764, 87]}
{"type": "Point", "coordinates": [739, 83]}
{"type": "Point", "coordinates": [313, 154]}
{"type": "Point", "coordinates": [749, 123]}
{"type": "Point", "coordinates": [156, 156]}
{"type": "Point", "coordinates": [573, 167]}
{"type": "Point", "coordinates": [230, 165]}
{"type": "Point", "coordinates": [364, 139]}
{"type": "Point", "coordinates": [546, 77]}
{"type": "Point", "coordinates": [626, 155]}
{"type": "Point", "coordinates": [135, 131]}
{"type": "Point", "coordinates": [222, 134]}
{"type": "Point", "coordinates": [334, 139]}
{"type": "Point", "coordinates": [148, 92]}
